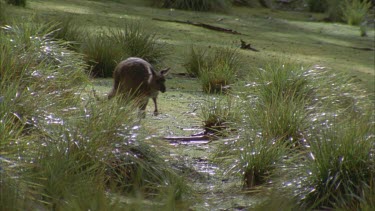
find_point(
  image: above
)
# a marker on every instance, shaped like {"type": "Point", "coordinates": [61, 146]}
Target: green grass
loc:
{"type": "Point", "coordinates": [195, 61]}
{"type": "Point", "coordinates": [260, 160]}
{"type": "Point", "coordinates": [38, 96]}
{"type": "Point", "coordinates": [76, 145]}
{"type": "Point", "coordinates": [285, 110]}
{"type": "Point", "coordinates": [216, 69]}
{"type": "Point", "coordinates": [219, 114]}
{"type": "Point", "coordinates": [281, 91]}
{"type": "Point", "coordinates": [341, 166]}
{"type": "Point", "coordinates": [300, 38]}
{"type": "Point", "coordinates": [138, 40]}
{"type": "Point", "coordinates": [355, 11]}
{"type": "Point", "coordinates": [68, 30]}
{"type": "Point", "coordinates": [107, 48]}
{"type": "Point", "coordinates": [102, 54]}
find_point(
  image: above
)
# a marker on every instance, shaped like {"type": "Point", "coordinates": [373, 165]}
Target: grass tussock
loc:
{"type": "Point", "coordinates": [291, 115]}
{"type": "Point", "coordinates": [136, 40]}
{"type": "Point", "coordinates": [355, 11]}
{"type": "Point", "coordinates": [216, 69]}
{"type": "Point", "coordinates": [197, 59]}
{"type": "Point", "coordinates": [261, 160]}
{"type": "Point", "coordinates": [68, 30]}
{"type": "Point", "coordinates": [219, 115]}
{"type": "Point", "coordinates": [102, 54]}
{"type": "Point", "coordinates": [341, 166]}
{"type": "Point", "coordinates": [107, 48]}
{"type": "Point", "coordinates": [280, 93]}
{"type": "Point", "coordinates": [59, 145]}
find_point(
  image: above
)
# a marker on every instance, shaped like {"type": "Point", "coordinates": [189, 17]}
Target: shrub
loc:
{"type": "Point", "coordinates": [17, 2]}
{"type": "Point", "coordinates": [196, 5]}
{"type": "Point", "coordinates": [354, 11]}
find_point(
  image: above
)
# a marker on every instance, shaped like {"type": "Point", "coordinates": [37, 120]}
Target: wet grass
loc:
{"type": "Point", "coordinates": [60, 145]}
{"type": "Point", "coordinates": [341, 166]}
{"type": "Point", "coordinates": [219, 114]}
{"type": "Point", "coordinates": [285, 116]}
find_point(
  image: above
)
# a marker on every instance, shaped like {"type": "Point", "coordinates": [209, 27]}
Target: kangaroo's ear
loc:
{"type": "Point", "coordinates": [165, 72]}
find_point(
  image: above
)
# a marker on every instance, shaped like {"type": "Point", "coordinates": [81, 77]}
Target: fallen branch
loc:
{"type": "Point", "coordinates": [207, 26]}
{"type": "Point", "coordinates": [190, 138]}
{"type": "Point", "coordinates": [363, 49]}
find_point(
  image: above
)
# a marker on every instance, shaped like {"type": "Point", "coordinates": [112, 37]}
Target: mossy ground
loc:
{"type": "Point", "coordinates": [297, 36]}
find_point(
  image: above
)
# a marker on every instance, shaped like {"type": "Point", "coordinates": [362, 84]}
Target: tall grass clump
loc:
{"type": "Point", "coordinates": [341, 166]}
{"type": "Point", "coordinates": [217, 70]}
{"type": "Point", "coordinates": [195, 5]}
{"type": "Point", "coordinates": [261, 160]}
{"type": "Point", "coordinates": [196, 60]}
{"type": "Point", "coordinates": [68, 30]}
{"type": "Point", "coordinates": [258, 161]}
{"type": "Point", "coordinates": [135, 39]}
{"type": "Point", "coordinates": [274, 121]}
{"type": "Point", "coordinates": [280, 93]}
{"type": "Point", "coordinates": [216, 79]}
{"type": "Point", "coordinates": [107, 48]}
{"type": "Point", "coordinates": [100, 156]}
{"type": "Point", "coordinates": [59, 145]}
{"type": "Point", "coordinates": [219, 114]}
{"type": "Point", "coordinates": [355, 11]}
{"type": "Point", "coordinates": [34, 77]}
{"type": "Point", "coordinates": [102, 54]}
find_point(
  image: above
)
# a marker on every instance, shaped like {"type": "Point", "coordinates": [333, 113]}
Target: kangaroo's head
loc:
{"type": "Point", "coordinates": [158, 80]}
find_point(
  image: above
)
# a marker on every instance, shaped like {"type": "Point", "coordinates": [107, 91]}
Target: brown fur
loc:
{"type": "Point", "coordinates": [137, 78]}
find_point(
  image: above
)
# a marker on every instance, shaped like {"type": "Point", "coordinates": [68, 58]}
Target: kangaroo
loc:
{"type": "Point", "coordinates": [137, 78]}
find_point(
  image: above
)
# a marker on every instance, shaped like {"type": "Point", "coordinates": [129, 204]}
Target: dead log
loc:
{"type": "Point", "coordinates": [206, 26]}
